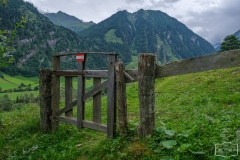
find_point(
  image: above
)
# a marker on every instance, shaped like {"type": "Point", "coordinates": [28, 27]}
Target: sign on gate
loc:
{"type": "Point", "coordinates": [80, 57]}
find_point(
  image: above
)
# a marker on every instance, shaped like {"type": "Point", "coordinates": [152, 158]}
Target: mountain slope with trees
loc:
{"type": "Point", "coordinates": [127, 34]}
{"type": "Point", "coordinates": [71, 22]}
{"type": "Point", "coordinates": [37, 41]}
{"type": "Point", "coordinates": [146, 31]}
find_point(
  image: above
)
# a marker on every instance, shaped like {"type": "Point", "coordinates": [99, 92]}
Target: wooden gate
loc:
{"type": "Point", "coordinates": [54, 114]}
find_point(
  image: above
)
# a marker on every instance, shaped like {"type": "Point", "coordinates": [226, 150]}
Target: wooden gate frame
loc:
{"type": "Point", "coordinates": [54, 112]}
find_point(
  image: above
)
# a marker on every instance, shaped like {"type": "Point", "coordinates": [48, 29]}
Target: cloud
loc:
{"type": "Point", "coordinates": [216, 22]}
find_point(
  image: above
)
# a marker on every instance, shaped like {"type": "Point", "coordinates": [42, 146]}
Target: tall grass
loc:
{"type": "Point", "coordinates": [194, 113]}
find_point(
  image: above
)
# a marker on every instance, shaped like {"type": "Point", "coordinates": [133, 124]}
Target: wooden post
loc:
{"type": "Point", "coordinates": [121, 97]}
{"type": "Point", "coordinates": [68, 95]}
{"type": "Point", "coordinates": [55, 93]}
{"type": "Point", "coordinates": [111, 110]}
{"type": "Point", "coordinates": [97, 102]}
{"type": "Point", "coordinates": [45, 81]}
{"type": "Point", "coordinates": [146, 76]}
{"type": "Point", "coordinates": [80, 102]}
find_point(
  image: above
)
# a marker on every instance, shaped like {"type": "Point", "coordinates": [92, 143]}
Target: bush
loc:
{"type": "Point", "coordinates": [6, 103]}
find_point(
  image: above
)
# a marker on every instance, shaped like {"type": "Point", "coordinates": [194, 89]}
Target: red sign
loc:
{"type": "Point", "coordinates": [80, 57]}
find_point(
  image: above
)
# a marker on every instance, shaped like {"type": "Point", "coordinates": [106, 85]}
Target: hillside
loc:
{"type": "Point", "coordinates": [70, 22]}
{"type": "Point", "coordinates": [127, 34]}
{"type": "Point", "coordinates": [37, 41]}
{"type": "Point", "coordinates": [196, 110]}
{"type": "Point", "coordinates": [146, 31]}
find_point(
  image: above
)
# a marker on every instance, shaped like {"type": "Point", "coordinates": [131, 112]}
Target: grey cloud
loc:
{"type": "Point", "coordinates": [171, 1]}
{"type": "Point", "coordinates": [216, 23]}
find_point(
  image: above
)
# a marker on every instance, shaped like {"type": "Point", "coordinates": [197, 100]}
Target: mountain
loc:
{"type": "Point", "coordinates": [146, 31]}
{"type": "Point", "coordinates": [37, 41]}
{"type": "Point", "coordinates": [127, 34]}
{"type": "Point", "coordinates": [237, 34]}
{"type": "Point", "coordinates": [218, 45]}
{"type": "Point", "coordinates": [71, 22]}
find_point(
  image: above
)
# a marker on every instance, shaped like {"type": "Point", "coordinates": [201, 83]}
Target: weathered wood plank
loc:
{"type": "Point", "coordinates": [86, 73]}
{"type": "Point", "coordinates": [55, 93]}
{"type": "Point", "coordinates": [111, 93]}
{"type": "Point", "coordinates": [121, 97]}
{"type": "Point", "coordinates": [45, 82]}
{"type": "Point", "coordinates": [97, 105]}
{"type": "Point", "coordinates": [95, 90]}
{"type": "Point", "coordinates": [96, 73]}
{"type": "Point", "coordinates": [210, 62]}
{"type": "Point", "coordinates": [69, 120]}
{"type": "Point", "coordinates": [128, 76]}
{"type": "Point", "coordinates": [146, 92]}
{"type": "Point", "coordinates": [68, 54]}
{"type": "Point", "coordinates": [80, 102]}
{"type": "Point", "coordinates": [67, 73]}
{"type": "Point", "coordinates": [67, 108]}
{"type": "Point", "coordinates": [95, 126]}
{"type": "Point", "coordinates": [134, 74]}
{"type": "Point", "coordinates": [68, 95]}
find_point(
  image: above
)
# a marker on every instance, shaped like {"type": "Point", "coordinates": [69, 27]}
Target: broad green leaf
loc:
{"type": "Point", "coordinates": [169, 144]}
{"type": "Point", "coordinates": [169, 132]}
{"type": "Point", "coordinates": [184, 146]}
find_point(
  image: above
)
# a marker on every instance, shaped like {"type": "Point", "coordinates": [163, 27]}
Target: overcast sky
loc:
{"type": "Point", "coordinates": [211, 19]}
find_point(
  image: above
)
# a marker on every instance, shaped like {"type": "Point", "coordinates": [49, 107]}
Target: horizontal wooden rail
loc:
{"type": "Point", "coordinates": [210, 62]}
{"type": "Point", "coordinates": [69, 54]}
{"type": "Point", "coordinates": [95, 73]}
{"type": "Point", "coordinates": [67, 73]}
{"type": "Point", "coordinates": [67, 108]}
{"type": "Point", "coordinates": [69, 120]}
{"type": "Point", "coordinates": [95, 126]}
{"type": "Point", "coordinates": [85, 73]}
{"type": "Point", "coordinates": [86, 124]}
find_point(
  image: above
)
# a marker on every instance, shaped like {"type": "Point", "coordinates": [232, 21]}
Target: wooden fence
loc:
{"type": "Point", "coordinates": [145, 75]}
{"type": "Point", "coordinates": [50, 111]}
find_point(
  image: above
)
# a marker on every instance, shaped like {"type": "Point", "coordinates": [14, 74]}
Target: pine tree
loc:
{"type": "Point", "coordinates": [230, 42]}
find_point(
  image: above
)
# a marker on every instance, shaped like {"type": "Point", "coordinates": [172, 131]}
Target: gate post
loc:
{"type": "Point", "coordinates": [146, 93]}
{"type": "Point", "coordinates": [121, 97]}
{"type": "Point", "coordinates": [45, 81]}
{"type": "Point", "coordinates": [111, 109]}
{"type": "Point", "coordinates": [55, 93]}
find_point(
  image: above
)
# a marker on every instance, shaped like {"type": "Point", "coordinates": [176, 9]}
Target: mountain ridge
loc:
{"type": "Point", "coordinates": [71, 22]}
{"type": "Point", "coordinates": [147, 31]}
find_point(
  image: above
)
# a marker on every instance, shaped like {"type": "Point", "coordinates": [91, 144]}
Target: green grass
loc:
{"type": "Point", "coordinates": [193, 113]}
{"type": "Point", "coordinates": [111, 37]}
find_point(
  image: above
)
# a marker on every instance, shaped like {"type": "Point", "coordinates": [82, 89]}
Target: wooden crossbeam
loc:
{"type": "Point", "coordinates": [86, 124]}
{"type": "Point", "coordinates": [95, 126]}
{"type": "Point", "coordinates": [95, 90]}
{"type": "Point", "coordinates": [67, 108]}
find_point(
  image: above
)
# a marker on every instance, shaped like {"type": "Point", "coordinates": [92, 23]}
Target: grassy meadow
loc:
{"type": "Point", "coordinates": [197, 118]}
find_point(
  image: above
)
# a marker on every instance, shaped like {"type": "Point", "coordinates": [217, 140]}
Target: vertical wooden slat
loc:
{"type": "Point", "coordinates": [121, 97]}
{"type": "Point", "coordinates": [97, 102]}
{"type": "Point", "coordinates": [146, 92]}
{"type": "Point", "coordinates": [68, 95]}
{"type": "Point", "coordinates": [45, 81]}
{"type": "Point", "coordinates": [55, 93]}
{"type": "Point", "coordinates": [80, 102]}
{"type": "Point", "coordinates": [111, 111]}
